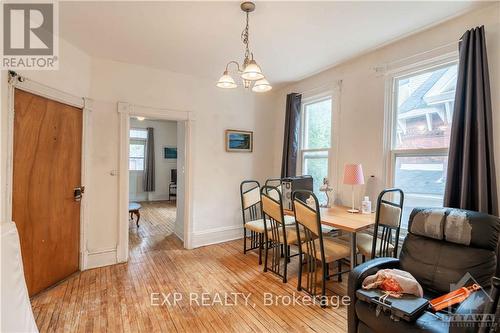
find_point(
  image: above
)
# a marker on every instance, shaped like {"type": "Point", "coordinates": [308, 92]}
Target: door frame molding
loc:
{"type": "Point", "coordinates": [126, 111]}
{"type": "Point", "coordinates": [16, 81]}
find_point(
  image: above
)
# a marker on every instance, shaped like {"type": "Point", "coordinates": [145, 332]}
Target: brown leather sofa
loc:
{"type": "Point", "coordinates": [443, 248]}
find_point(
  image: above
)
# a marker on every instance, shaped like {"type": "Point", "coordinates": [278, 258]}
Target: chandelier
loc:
{"type": "Point", "coordinates": [249, 71]}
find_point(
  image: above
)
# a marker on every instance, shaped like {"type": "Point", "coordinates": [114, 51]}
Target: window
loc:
{"type": "Point", "coordinates": [138, 133]}
{"type": "Point", "coordinates": [315, 144]}
{"type": "Point", "coordinates": [421, 124]}
{"type": "Point", "coordinates": [137, 149]}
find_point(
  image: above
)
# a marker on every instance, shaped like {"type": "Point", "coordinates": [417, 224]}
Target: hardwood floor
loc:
{"type": "Point", "coordinates": [119, 298]}
{"type": "Point", "coordinates": [157, 221]}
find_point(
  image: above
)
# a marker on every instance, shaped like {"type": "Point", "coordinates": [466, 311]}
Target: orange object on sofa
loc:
{"type": "Point", "coordinates": [452, 298]}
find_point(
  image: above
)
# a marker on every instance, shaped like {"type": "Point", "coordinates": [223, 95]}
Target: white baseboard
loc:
{"type": "Point", "coordinates": [216, 235]}
{"type": "Point", "coordinates": [101, 258]}
{"type": "Point", "coordinates": [136, 198]}
{"type": "Point", "coordinates": [159, 197]}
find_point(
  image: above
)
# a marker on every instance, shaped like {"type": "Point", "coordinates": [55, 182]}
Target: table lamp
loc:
{"type": "Point", "coordinates": [353, 175]}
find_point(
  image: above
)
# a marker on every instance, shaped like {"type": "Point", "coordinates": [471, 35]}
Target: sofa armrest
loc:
{"type": "Point", "coordinates": [356, 277]}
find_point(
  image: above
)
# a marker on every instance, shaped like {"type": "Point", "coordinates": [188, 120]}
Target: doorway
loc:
{"type": "Point", "coordinates": [153, 186]}
{"type": "Point", "coordinates": [46, 187]}
{"type": "Point", "coordinates": [182, 191]}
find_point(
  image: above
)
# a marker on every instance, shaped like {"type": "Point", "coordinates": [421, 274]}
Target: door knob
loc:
{"type": "Point", "coordinates": [78, 193]}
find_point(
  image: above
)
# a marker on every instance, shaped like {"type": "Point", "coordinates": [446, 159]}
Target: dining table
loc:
{"type": "Point", "coordinates": [352, 223]}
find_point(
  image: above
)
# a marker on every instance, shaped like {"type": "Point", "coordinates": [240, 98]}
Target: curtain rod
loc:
{"type": "Point", "coordinates": [330, 84]}
{"type": "Point", "coordinates": [421, 53]}
{"type": "Point", "coordinates": [385, 65]}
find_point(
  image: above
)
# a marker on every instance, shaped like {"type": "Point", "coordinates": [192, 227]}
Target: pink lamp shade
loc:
{"type": "Point", "coordinates": [353, 174]}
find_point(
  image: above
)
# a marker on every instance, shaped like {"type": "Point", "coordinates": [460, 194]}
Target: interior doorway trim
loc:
{"type": "Point", "coordinates": [127, 110]}
{"type": "Point", "coordinates": [86, 104]}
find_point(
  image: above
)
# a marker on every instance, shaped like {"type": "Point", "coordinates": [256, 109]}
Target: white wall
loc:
{"type": "Point", "coordinates": [165, 135]}
{"type": "Point", "coordinates": [216, 174]}
{"type": "Point", "coordinates": [361, 122]}
{"type": "Point", "coordinates": [102, 228]}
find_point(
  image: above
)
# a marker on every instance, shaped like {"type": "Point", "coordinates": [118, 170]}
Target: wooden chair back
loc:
{"type": "Point", "coordinates": [276, 183]}
{"type": "Point", "coordinates": [276, 235]}
{"type": "Point", "coordinates": [310, 239]}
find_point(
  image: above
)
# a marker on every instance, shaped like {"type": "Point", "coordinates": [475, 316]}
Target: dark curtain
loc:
{"type": "Point", "coordinates": [149, 170]}
{"type": "Point", "coordinates": [291, 138]}
{"type": "Point", "coordinates": [471, 181]}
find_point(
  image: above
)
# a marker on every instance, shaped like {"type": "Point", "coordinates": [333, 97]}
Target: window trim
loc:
{"type": "Point", "coordinates": [390, 152]}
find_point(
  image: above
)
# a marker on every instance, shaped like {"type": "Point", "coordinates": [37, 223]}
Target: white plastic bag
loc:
{"type": "Point", "coordinates": [395, 282]}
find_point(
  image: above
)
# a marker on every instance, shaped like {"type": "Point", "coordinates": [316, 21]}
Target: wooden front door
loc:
{"type": "Point", "coordinates": [47, 169]}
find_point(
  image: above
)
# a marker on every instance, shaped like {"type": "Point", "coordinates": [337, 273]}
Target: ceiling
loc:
{"type": "Point", "coordinates": [290, 40]}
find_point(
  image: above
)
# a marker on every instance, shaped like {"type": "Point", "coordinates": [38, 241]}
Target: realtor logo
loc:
{"type": "Point", "coordinates": [29, 36]}
{"type": "Point", "coordinates": [471, 314]}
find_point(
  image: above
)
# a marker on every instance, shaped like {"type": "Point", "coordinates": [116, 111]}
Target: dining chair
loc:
{"type": "Point", "coordinates": [276, 184]}
{"type": "Point", "coordinates": [314, 247]}
{"type": "Point", "coordinates": [253, 224]}
{"type": "Point", "coordinates": [387, 227]}
{"type": "Point", "coordinates": [279, 236]}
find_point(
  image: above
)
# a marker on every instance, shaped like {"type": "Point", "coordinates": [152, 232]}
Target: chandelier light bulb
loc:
{"type": "Point", "coordinates": [226, 81]}
{"type": "Point", "coordinates": [261, 86]}
{"type": "Point", "coordinates": [252, 71]}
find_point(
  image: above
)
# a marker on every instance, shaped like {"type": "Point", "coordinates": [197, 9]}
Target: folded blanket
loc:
{"type": "Point", "coordinates": [394, 282]}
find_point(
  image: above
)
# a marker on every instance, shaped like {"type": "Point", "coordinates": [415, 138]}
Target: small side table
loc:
{"type": "Point", "coordinates": [133, 209]}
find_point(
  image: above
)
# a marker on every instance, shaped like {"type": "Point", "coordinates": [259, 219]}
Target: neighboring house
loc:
{"type": "Point", "coordinates": [425, 107]}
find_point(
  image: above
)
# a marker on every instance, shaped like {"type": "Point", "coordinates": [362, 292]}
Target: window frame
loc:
{"type": "Point", "coordinates": [331, 150]}
{"type": "Point", "coordinates": [391, 101]}
{"type": "Point", "coordinates": [135, 140]}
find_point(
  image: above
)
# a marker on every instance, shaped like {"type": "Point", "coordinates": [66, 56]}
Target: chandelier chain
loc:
{"type": "Point", "coordinates": [245, 36]}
